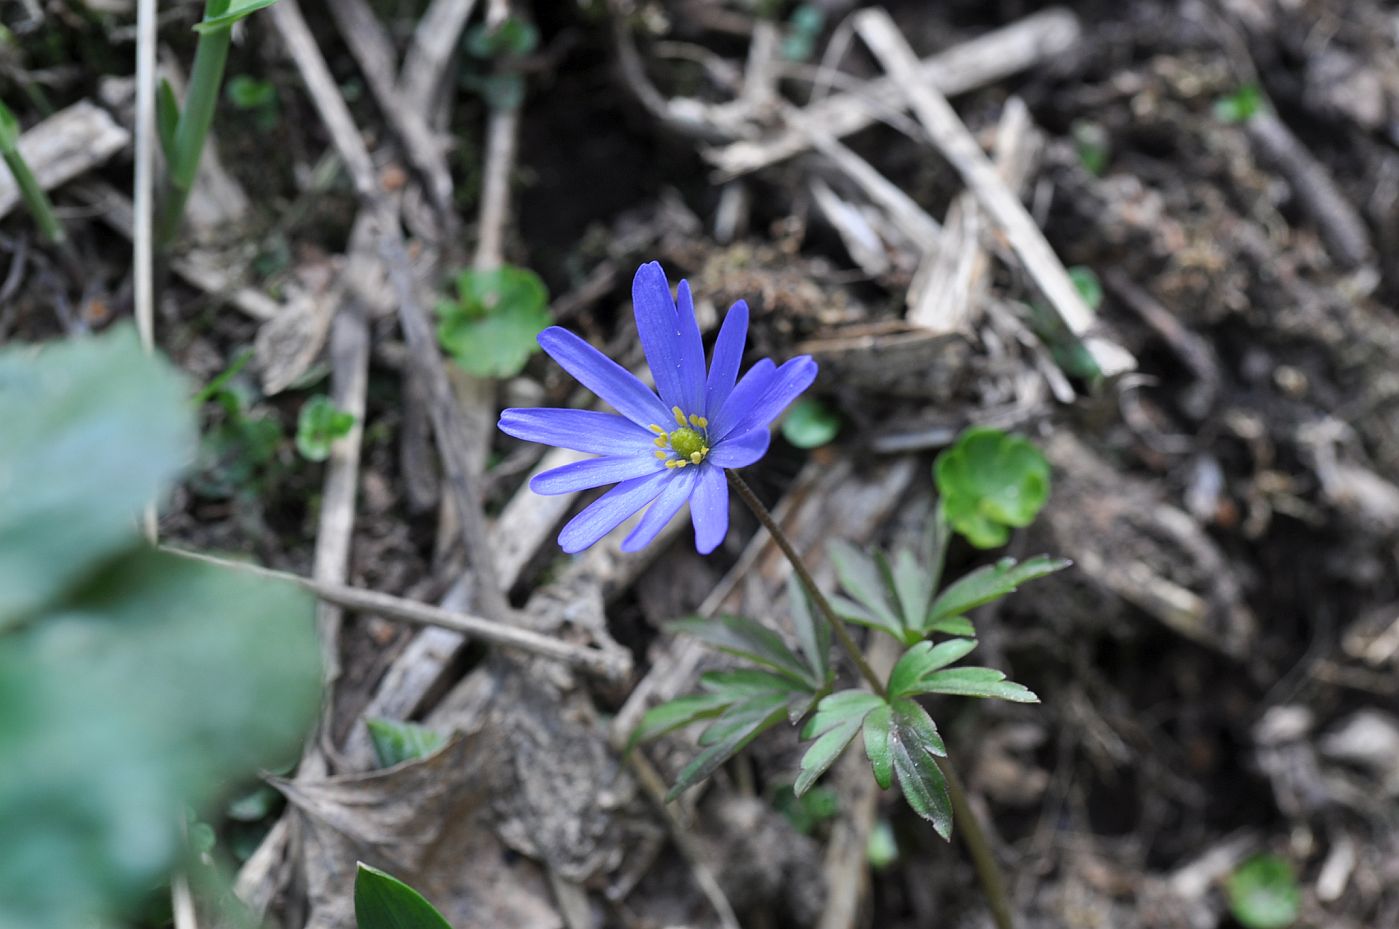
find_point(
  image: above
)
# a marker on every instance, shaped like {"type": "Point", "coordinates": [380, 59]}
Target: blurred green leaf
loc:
{"type": "Point", "coordinates": [989, 481]}
{"type": "Point", "coordinates": [382, 901]}
{"type": "Point", "coordinates": [9, 129]}
{"type": "Point", "coordinates": [1263, 893]}
{"type": "Point", "coordinates": [249, 93]}
{"type": "Point", "coordinates": [1092, 145]}
{"type": "Point", "coordinates": [319, 425]}
{"type": "Point", "coordinates": [1089, 287]}
{"type": "Point", "coordinates": [156, 683]}
{"type": "Point", "coordinates": [396, 742]}
{"type": "Point", "coordinates": [1239, 106]}
{"type": "Point", "coordinates": [93, 429]}
{"type": "Point", "coordinates": [492, 326]}
{"type": "Point", "coordinates": [512, 37]}
{"type": "Point", "coordinates": [810, 810]}
{"type": "Point", "coordinates": [810, 423]}
{"type": "Point", "coordinates": [882, 849]}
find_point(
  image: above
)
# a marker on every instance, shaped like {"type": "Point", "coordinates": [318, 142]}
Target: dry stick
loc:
{"type": "Point", "coordinates": [417, 331]}
{"type": "Point", "coordinates": [502, 132]}
{"type": "Point", "coordinates": [981, 61]}
{"type": "Point", "coordinates": [609, 665]}
{"type": "Point", "coordinates": [992, 884]}
{"type": "Point", "coordinates": [959, 147]}
{"type": "Point", "coordinates": [799, 566]}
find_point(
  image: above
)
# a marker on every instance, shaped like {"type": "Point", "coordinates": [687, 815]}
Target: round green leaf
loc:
{"type": "Point", "coordinates": [810, 423]}
{"type": "Point", "coordinates": [990, 482]}
{"type": "Point", "coordinates": [1263, 893]}
{"type": "Point", "coordinates": [492, 326]}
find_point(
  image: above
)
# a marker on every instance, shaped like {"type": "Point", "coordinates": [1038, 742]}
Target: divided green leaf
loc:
{"type": "Point", "coordinates": [913, 743]}
{"type": "Point", "coordinates": [750, 639]}
{"type": "Point", "coordinates": [396, 742]}
{"type": "Point", "coordinates": [813, 632]}
{"type": "Point", "coordinates": [740, 725]}
{"type": "Point", "coordinates": [974, 682]}
{"type": "Point", "coordinates": [923, 659]}
{"type": "Point", "coordinates": [836, 721]}
{"type": "Point", "coordinates": [382, 901]}
{"type": "Point", "coordinates": [989, 583]}
{"type": "Point", "coordinates": [989, 482]}
{"type": "Point", "coordinates": [492, 326]}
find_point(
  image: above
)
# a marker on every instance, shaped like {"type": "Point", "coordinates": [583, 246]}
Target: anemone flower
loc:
{"type": "Point", "coordinates": [667, 450]}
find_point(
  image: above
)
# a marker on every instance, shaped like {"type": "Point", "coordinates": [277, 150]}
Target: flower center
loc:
{"type": "Point", "coordinates": [689, 441]}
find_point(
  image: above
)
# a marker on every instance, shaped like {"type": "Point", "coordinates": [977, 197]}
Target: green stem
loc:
{"type": "Point", "coordinates": [34, 197]}
{"type": "Point", "coordinates": [196, 116]}
{"type": "Point", "coordinates": [978, 848]}
{"type": "Point", "coordinates": [993, 885]}
{"type": "Point", "coordinates": [837, 625]}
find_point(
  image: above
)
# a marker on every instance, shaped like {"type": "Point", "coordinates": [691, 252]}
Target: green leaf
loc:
{"type": "Point", "coordinates": [9, 129]}
{"type": "Point", "coordinates": [167, 118]}
{"type": "Point", "coordinates": [882, 849]}
{"type": "Point", "coordinates": [974, 682]}
{"type": "Point", "coordinates": [923, 659]}
{"type": "Point", "coordinates": [876, 733]}
{"type": "Point", "coordinates": [741, 715]}
{"type": "Point", "coordinates": [853, 612]}
{"type": "Point", "coordinates": [861, 578]}
{"type": "Point", "coordinates": [249, 93]}
{"type": "Point", "coordinates": [1239, 106]}
{"type": "Point", "coordinates": [810, 423]}
{"type": "Point", "coordinates": [838, 708]}
{"type": "Point", "coordinates": [1263, 893]}
{"type": "Point", "coordinates": [989, 481]}
{"type": "Point", "coordinates": [1092, 145]}
{"type": "Point", "coordinates": [93, 429]}
{"type": "Point", "coordinates": [678, 713]}
{"type": "Point", "coordinates": [747, 638]}
{"type": "Point", "coordinates": [319, 424]}
{"type": "Point", "coordinates": [990, 583]}
{"type": "Point", "coordinates": [825, 750]}
{"type": "Point", "coordinates": [237, 10]}
{"type": "Point", "coordinates": [492, 327]}
{"type": "Point", "coordinates": [513, 36]}
{"type": "Point", "coordinates": [396, 742]}
{"type": "Point", "coordinates": [813, 632]}
{"type": "Point", "coordinates": [1088, 286]}
{"type": "Point", "coordinates": [384, 902]}
{"type": "Point", "coordinates": [912, 742]}
{"type": "Point", "coordinates": [734, 741]}
{"type": "Point", "coordinates": [913, 583]}
{"type": "Point", "coordinates": [156, 684]}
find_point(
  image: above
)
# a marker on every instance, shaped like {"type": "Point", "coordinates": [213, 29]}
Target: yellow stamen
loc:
{"type": "Point", "coordinates": [656, 429]}
{"type": "Point", "coordinates": [701, 421]}
{"type": "Point", "coordinates": [679, 415]}
{"type": "Point", "coordinates": [674, 463]}
{"type": "Point", "coordinates": [697, 457]}
{"type": "Point", "coordinates": [662, 455]}
{"type": "Point", "coordinates": [660, 441]}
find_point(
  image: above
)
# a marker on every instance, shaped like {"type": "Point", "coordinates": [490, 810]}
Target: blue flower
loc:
{"type": "Point", "coordinates": [666, 450]}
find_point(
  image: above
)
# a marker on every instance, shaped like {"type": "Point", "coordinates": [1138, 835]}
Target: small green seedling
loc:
{"type": "Point", "coordinates": [1089, 287]}
{"type": "Point", "coordinates": [1240, 106]}
{"type": "Point", "coordinates": [989, 483]}
{"type": "Point", "coordinates": [1263, 893]}
{"type": "Point", "coordinates": [319, 425]}
{"type": "Point", "coordinates": [491, 327]}
{"type": "Point", "coordinates": [810, 423]}
{"type": "Point", "coordinates": [255, 97]}
{"type": "Point", "coordinates": [1092, 145]}
{"type": "Point", "coordinates": [803, 30]}
{"type": "Point", "coordinates": [500, 49]}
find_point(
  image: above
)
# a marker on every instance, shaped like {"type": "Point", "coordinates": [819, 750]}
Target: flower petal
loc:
{"type": "Point", "coordinates": [740, 451]}
{"type": "Point", "coordinates": [670, 340]}
{"type": "Point", "coordinates": [790, 380]}
{"type": "Point", "coordinates": [610, 510]}
{"type": "Point", "coordinates": [709, 509]}
{"type": "Point", "coordinates": [748, 391]}
{"type": "Point", "coordinates": [663, 510]}
{"type": "Point", "coordinates": [604, 377]}
{"type": "Point", "coordinates": [581, 430]}
{"type": "Point", "coordinates": [594, 472]}
{"type": "Point", "coordinates": [691, 351]}
{"type": "Point", "coordinates": [728, 355]}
